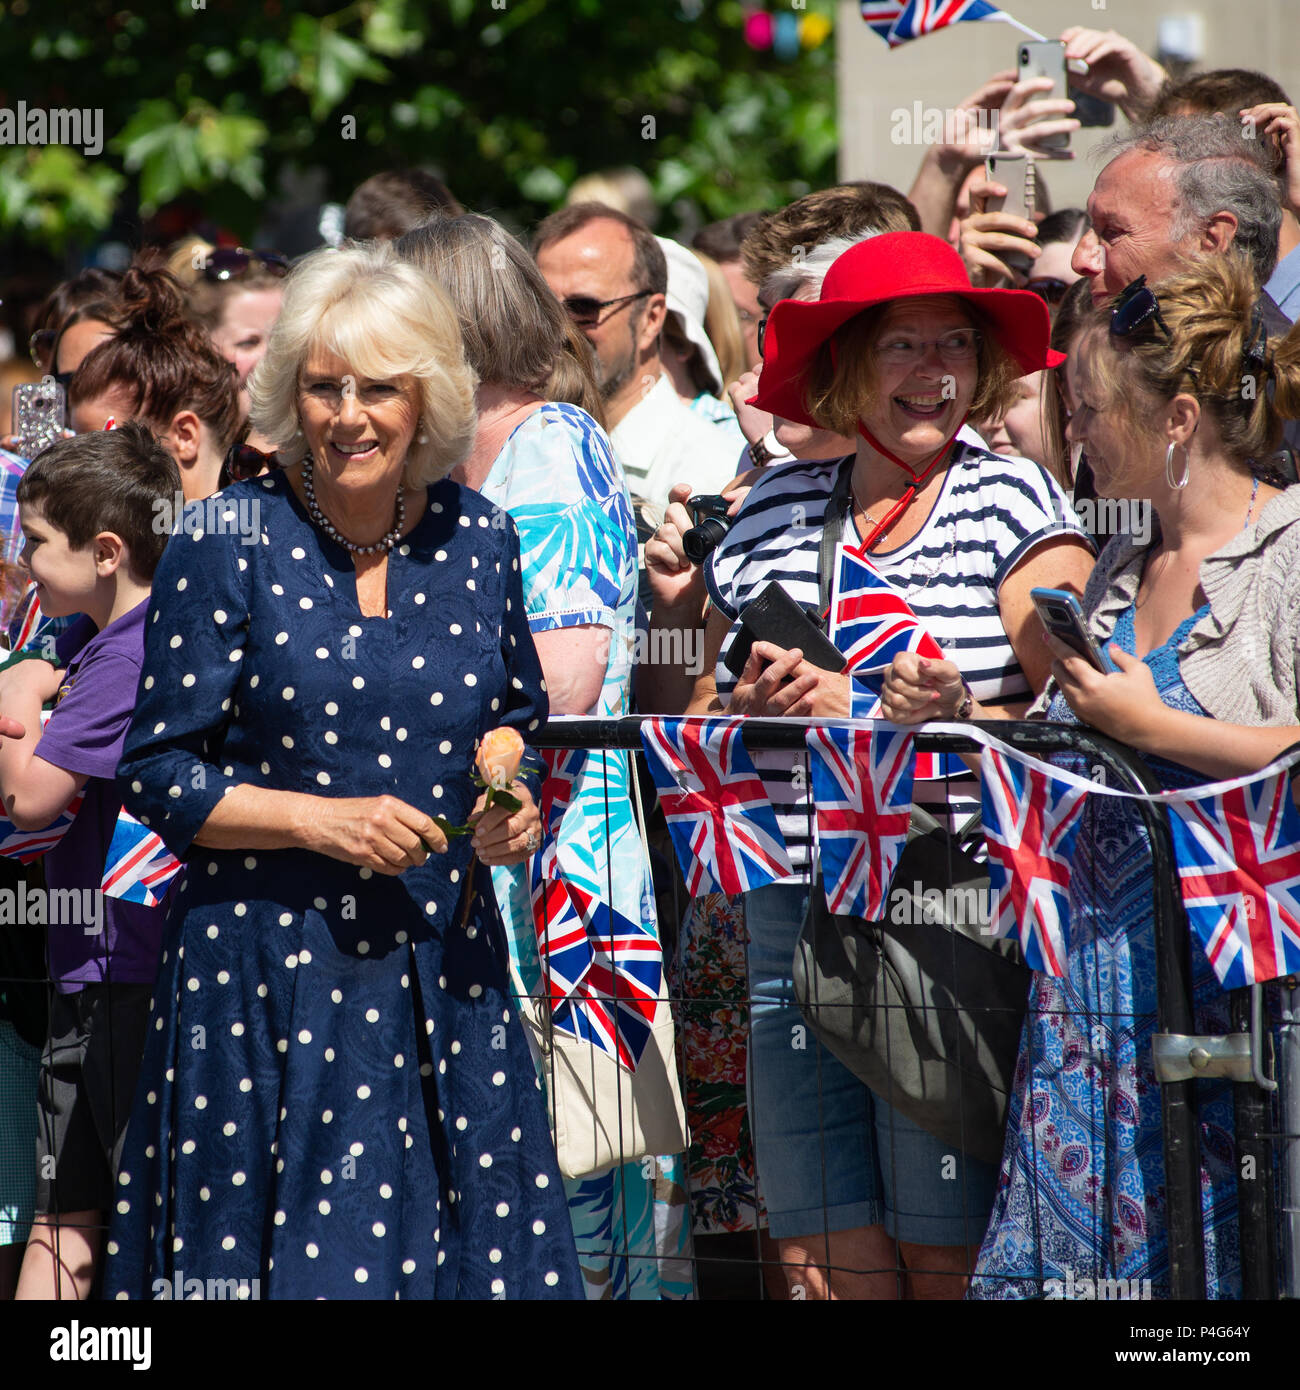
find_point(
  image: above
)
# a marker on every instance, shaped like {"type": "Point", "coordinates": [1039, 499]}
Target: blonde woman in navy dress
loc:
{"type": "Point", "coordinates": [336, 1098]}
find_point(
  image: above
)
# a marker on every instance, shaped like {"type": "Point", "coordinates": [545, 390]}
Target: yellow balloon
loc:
{"type": "Point", "coordinates": [814, 30]}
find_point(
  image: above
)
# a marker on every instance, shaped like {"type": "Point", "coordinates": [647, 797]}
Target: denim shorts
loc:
{"type": "Point", "coordinates": [831, 1155]}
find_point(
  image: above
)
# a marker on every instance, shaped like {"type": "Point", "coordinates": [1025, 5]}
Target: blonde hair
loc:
{"type": "Point", "coordinates": [836, 396]}
{"type": "Point", "coordinates": [722, 324]}
{"type": "Point", "coordinates": [385, 318]}
{"type": "Point", "coordinates": [1210, 312]}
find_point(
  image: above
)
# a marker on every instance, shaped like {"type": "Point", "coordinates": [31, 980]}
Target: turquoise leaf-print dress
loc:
{"type": "Point", "coordinates": [557, 477]}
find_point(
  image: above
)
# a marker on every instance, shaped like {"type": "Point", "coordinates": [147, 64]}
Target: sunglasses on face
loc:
{"type": "Point", "coordinates": [230, 262]}
{"type": "Point", "coordinates": [585, 311]}
{"type": "Point", "coordinates": [762, 333]}
{"type": "Point", "coordinates": [41, 344]}
{"type": "Point", "coordinates": [1051, 290]}
{"type": "Point", "coordinates": [244, 461]}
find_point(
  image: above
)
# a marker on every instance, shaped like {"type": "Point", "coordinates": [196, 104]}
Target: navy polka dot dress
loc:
{"type": "Point", "coordinates": [336, 1099]}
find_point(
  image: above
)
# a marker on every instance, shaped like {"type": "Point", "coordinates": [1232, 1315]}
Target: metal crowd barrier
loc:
{"type": "Point", "coordinates": [1269, 1152]}
{"type": "Point", "coordinates": [1181, 1055]}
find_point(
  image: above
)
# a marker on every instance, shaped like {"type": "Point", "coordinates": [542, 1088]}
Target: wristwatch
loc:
{"type": "Point", "coordinates": [759, 454]}
{"type": "Point", "coordinates": [967, 704]}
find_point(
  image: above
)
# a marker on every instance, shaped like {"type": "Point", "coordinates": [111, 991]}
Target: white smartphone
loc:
{"type": "Point", "coordinates": [1014, 169]}
{"type": "Point", "coordinates": [39, 414]}
{"type": "Point", "coordinates": [1045, 59]}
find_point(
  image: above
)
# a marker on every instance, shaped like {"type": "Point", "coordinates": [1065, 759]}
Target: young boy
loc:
{"type": "Point", "coordinates": [88, 509]}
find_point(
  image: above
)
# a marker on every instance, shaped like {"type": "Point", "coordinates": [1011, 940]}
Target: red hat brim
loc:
{"type": "Point", "coordinates": [882, 270]}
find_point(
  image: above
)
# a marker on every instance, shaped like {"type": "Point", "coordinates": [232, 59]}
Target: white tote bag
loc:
{"type": "Point", "coordinates": [603, 1115]}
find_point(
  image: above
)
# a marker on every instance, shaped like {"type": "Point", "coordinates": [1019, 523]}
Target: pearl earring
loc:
{"type": "Point", "coordinates": [421, 438]}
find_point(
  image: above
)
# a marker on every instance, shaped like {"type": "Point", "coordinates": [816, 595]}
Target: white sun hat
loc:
{"type": "Point", "coordinates": [688, 298]}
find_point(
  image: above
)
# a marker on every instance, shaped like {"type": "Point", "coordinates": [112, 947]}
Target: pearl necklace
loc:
{"type": "Point", "coordinates": [385, 543]}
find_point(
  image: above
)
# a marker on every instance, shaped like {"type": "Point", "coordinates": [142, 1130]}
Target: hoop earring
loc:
{"type": "Point", "coordinates": [1177, 484]}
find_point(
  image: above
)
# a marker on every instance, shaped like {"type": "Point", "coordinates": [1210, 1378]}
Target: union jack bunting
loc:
{"type": "Point", "coordinates": [872, 623]}
{"type": "Point", "coordinates": [139, 867]}
{"type": "Point", "coordinates": [614, 1004]}
{"type": "Point", "coordinates": [722, 823]}
{"type": "Point", "coordinates": [1031, 820]}
{"type": "Point", "coordinates": [862, 785]}
{"type": "Point", "coordinates": [1239, 866]}
{"type": "Point", "coordinates": [896, 21]}
{"type": "Point", "coordinates": [27, 846]}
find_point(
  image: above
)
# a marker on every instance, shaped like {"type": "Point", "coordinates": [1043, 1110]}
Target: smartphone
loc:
{"type": "Point", "coordinates": [1063, 618]}
{"type": "Point", "coordinates": [1015, 170]}
{"type": "Point", "coordinates": [1092, 112]}
{"type": "Point", "coordinates": [40, 410]}
{"type": "Point", "coordinates": [1045, 59]}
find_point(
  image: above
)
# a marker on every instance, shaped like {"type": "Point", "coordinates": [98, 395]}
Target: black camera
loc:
{"type": "Point", "coordinates": [711, 525]}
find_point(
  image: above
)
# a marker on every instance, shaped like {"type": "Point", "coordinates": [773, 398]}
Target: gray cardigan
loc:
{"type": "Point", "coordinates": [1242, 659]}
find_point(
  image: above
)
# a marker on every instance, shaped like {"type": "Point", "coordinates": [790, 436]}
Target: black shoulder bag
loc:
{"type": "Point", "coordinates": [921, 1006]}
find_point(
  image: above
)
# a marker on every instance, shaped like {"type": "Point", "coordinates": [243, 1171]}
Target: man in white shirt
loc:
{"type": "Point", "coordinates": [610, 273]}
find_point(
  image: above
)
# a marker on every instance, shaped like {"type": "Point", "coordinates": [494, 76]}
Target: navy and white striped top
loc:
{"type": "Point", "coordinates": [991, 512]}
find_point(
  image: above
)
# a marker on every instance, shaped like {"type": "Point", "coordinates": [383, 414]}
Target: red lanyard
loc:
{"type": "Point", "coordinates": [882, 527]}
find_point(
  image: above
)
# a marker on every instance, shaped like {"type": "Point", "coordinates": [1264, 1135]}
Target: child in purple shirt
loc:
{"type": "Point", "coordinates": [90, 508]}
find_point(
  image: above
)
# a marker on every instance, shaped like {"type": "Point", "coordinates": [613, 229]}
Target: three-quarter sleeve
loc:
{"type": "Point", "coordinates": [527, 705]}
{"type": "Point", "coordinates": [195, 631]}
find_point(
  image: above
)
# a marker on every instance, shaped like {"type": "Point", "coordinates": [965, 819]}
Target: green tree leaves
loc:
{"type": "Point", "coordinates": [509, 99]}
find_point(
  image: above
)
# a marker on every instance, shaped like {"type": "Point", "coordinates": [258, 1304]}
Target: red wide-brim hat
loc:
{"type": "Point", "coordinates": [880, 270]}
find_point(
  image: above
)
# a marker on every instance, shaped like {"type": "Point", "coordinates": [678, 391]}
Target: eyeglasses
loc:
{"type": "Point", "coordinates": [958, 346]}
{"type": "Point", "coordinates": [230, 262]}
{"type": "Point", "coordinates": [1053, 291]}
{"type": "Point", "coordinates": [244, 461]}
{"type": "Point", "coordinates": [585, 311]}
{"type": "Point", "coordinates": [762, 332]}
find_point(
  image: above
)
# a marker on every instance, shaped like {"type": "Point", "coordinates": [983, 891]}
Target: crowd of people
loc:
{"type": "Point", "coordinates": [445, 477]}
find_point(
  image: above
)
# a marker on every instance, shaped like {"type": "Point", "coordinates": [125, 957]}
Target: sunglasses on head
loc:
{"type": "Point", "coordinates": [1135, 307]}
{"type": "Point", "coordinates": [1049, 289]}
{"type": "Point", "coordinates": [585, 311]}
{"type": "Point", "coordinates": [230, 262]}
{"type": "Point", "coordinates": [244, 461]}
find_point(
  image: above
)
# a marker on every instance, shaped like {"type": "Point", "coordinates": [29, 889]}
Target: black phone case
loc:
{"type": "Point", "coordinates": [775, 617]}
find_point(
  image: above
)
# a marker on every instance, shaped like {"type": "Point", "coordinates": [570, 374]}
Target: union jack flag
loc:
{"type": "Point", "coordinates": [862, 784]}
{"type": "Point", "coordinates": [882, 15]}
{"type": "Point", "coordinates": [613, 1005]}
{"type": "Point", "coordinates": [1239, 866]}
{"type": "Point", "coordinates": [26, 846]}
{"type": "Point", "coordinates": [896, 21]}
{"type": "Point", "coordinates": [718, 812]}
{"type": "Point", "coordinates": [1031, 820]}
{"type": "Point", "coordinates": [139, 867]}
{"type": "Point", "coordinates": [872, 623]}
{"type": "Point", "coordinates": [563, 768]}
{"type": "Point", "coordinates": [562, 943]}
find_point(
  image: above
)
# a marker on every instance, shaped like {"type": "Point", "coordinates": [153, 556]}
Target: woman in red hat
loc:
{"type": "Point", "coordinates": [898, 352]}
